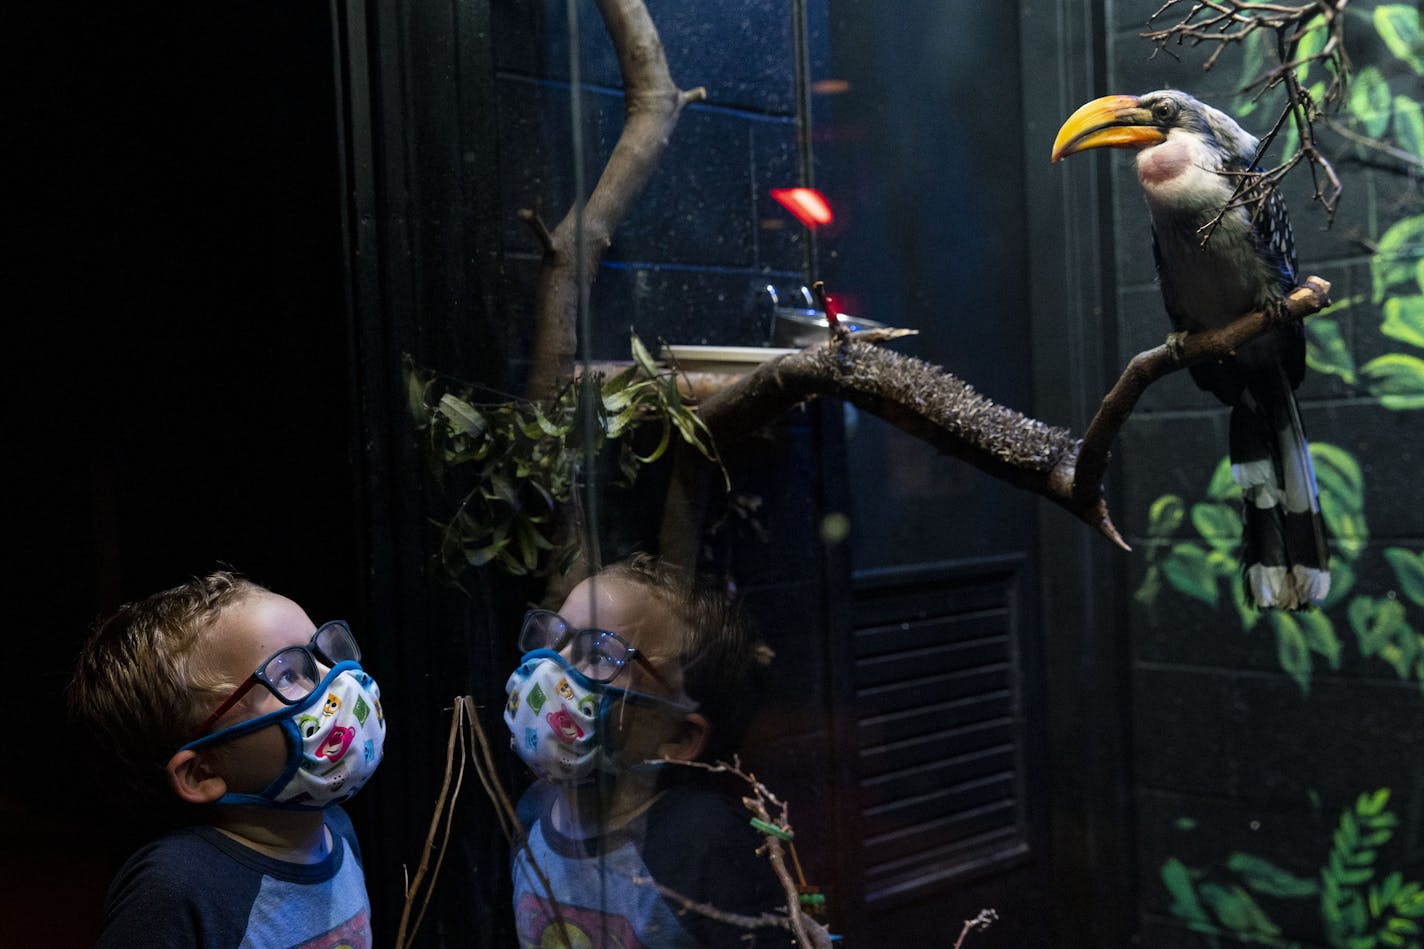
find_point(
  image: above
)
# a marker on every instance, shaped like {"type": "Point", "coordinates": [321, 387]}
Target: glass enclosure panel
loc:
{"type": "Point", "coordinates": [883, 167]}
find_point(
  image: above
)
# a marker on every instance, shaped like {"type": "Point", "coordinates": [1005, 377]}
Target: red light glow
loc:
{"type": "Point", "coordinates": [807, 204]}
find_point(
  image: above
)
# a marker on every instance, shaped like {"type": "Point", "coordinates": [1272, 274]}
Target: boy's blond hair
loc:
{"type": "Point", "coordinates": [140, 685]}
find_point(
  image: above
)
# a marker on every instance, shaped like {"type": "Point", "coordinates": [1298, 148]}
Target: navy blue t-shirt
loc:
{"type": "Point", "coordinates": [197, 887]}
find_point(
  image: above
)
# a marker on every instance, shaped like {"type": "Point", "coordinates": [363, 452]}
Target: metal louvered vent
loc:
{"type": "Point", "coordinates": [938, 727]}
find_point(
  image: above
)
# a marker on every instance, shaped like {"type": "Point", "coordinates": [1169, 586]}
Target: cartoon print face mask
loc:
{"type": "Point", "coordinates": [559, 719]}
{"type": "Point", "coordinates": [334, 739]}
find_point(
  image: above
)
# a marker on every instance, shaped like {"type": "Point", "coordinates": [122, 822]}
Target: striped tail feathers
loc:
{"type": "Point", "coordinates": [1285, 557]}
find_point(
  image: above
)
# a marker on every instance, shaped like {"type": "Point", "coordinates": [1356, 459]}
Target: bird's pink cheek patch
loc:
{"type": "Point", "coordinates": [1162, 163]}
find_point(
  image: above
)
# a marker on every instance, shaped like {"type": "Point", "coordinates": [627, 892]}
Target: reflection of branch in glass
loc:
{"type": "Point", "coordinates": [770, 817]}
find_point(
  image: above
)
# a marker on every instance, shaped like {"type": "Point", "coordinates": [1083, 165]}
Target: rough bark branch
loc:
{"type": "Point", "coordinates": [945, 411]}
{"type": "Point", "coordinates": [652, 105]}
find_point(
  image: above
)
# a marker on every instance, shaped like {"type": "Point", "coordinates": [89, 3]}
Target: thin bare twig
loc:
{"type": "Point", "coordinates": [761, 803]}
{"type": "Point", "coordinates": [984, 920]}
{"type": "Point", "coordinates": [1228, 22]}
{"type": "Point", "coordinates": [464, 718]}
{"type": "Point", "coordinates": [739, 920]}
{"type": "Point", "coordinates": [414, 886]}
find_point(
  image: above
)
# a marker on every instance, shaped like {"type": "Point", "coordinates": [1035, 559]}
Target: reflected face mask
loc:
{"type": "Point", "coordinates": [558, 718]}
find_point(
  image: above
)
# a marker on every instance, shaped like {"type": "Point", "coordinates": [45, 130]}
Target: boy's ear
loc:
{"type": "Point", "coordinates": [689, 740]}
{"type": "Point", "coordinates": [193, 780]}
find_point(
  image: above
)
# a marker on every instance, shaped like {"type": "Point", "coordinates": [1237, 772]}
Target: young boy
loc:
{"type": "Point", "coordinates": [225, 700]}
{"type": "Point", "coordinates": [640, 663]}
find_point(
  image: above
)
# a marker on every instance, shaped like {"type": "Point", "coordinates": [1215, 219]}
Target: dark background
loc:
{"type": "Point", "coordinates": [180, 383]}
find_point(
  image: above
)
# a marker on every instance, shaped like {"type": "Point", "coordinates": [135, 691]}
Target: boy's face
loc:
{"type": "Point", "coordinates": [242, 638]}
{"type": "Point", "coordinates": [623, 607]}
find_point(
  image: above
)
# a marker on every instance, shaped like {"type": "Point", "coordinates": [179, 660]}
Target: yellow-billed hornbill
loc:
{"type": "Point", "coordinates": [1189, 160]}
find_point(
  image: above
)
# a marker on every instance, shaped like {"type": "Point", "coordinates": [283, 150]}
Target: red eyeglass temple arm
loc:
{"type": "Point", "coordinates": [221, 710]}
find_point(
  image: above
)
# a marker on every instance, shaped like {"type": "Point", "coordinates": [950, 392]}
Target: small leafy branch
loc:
{"type": "Point", "coordinates": [1357, 909]}
{"type": "Point", "coordinates": [1290, 29]}
{"type": "Point", "coordinates": [469, 744]}
{"type": "Point", "coordinates": [516, 465]}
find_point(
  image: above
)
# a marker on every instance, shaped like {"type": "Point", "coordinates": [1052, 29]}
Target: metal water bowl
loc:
{"type": "Point", "coordinates": [799, 327]}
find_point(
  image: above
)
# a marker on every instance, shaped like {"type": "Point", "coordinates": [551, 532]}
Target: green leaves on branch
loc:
{"type": "Point", "coordinates": [514, 465]}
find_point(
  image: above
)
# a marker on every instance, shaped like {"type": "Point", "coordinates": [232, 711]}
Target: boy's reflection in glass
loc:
{"type": "Point", "coordinates": [642, 665]}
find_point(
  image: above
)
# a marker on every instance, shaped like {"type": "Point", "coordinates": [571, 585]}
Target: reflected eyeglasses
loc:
{"type": "Point", "coordinates": [292, 673]}
{"type": "Point", "coordinates": [597, 653]}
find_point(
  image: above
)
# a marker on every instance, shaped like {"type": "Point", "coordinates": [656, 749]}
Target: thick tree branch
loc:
{"type": "Point", "coordinates": [918, 398]}
{"type": "Point", "coordinates": [652, 105]}
{"type": "Point", "coordinates": [943, 410]}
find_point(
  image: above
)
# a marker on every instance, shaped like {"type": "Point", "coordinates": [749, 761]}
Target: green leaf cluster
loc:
{"type": "Point", "coordinates": [1358, 909]}
{"type": "Point", "coordinates": [1358, 912]}
{"type": "Point", "coordinates": [1206, 567]}
{"type": "Point", "coordinates": [513, 465]}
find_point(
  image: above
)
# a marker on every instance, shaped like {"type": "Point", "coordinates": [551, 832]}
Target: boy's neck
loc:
{"type": "Point", "coordinates": [583, 811]}
{"type": "Point", "coordinates": [293, 836]}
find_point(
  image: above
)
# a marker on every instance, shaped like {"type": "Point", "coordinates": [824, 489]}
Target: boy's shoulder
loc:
{"type": "Point", "coordinates": [183, 882]}
{"type": "Point", "coordinates": [193, 857]}
{"type": "Point", "coordinates": [198, 880]}
{"type": "Point", "coordinates": [697, 806]}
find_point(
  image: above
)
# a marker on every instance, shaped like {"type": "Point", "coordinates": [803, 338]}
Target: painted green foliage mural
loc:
{"type": "Point", "coordinates": [1358, 907]}
{"type": "Point", "coordinates": [1357, 902]}
{"type": "Point", "coordinates": [1388, 624]}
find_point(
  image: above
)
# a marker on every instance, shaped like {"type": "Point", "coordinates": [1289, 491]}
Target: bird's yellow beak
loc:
{"type": "Point", "coordinates": [1109, 122]}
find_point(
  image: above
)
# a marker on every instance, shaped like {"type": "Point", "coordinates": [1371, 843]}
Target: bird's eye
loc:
{"type": "Point", "coordinates": [1164, 111]}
